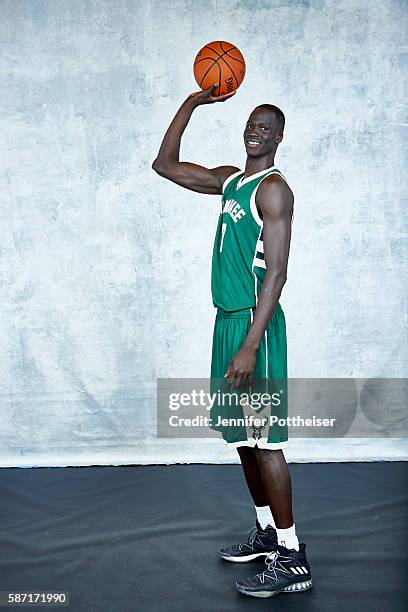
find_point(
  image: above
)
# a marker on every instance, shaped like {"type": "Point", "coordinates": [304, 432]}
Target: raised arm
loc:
{"type": "Point", "coordinates": [189, 175]}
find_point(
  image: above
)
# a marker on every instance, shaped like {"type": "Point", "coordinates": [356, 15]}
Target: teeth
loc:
{"type": "Point", "coordinates": [253, 142]}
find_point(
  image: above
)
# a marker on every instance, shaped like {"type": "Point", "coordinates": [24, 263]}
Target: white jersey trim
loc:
{"type": "Point", "coordinates": [229, 179]}
{"type": "Point", "coordinates": [251, 177]}
{"type": "Point", "coordinates": [253, 272]}
{"type": "Point", "coordinates": [259, 263]}
{"type": "Point", "coordinates": [261, 443]}
{"type": "Point", "coordinates": [266, 354]}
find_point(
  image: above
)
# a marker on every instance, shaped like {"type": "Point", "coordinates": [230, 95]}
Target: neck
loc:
{"type": "Point", "coordinates": [257, 164]}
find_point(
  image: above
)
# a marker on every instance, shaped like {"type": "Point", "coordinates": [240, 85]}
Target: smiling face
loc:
{"type": "Point", "coordinates": [262, 133]}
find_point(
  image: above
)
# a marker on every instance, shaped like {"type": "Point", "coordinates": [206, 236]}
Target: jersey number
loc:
{"type": "Point", "coordinates": [223, 230]}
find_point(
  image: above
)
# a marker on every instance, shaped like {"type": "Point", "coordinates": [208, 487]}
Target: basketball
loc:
{"type": "Point", "coordinates": [219, 62]}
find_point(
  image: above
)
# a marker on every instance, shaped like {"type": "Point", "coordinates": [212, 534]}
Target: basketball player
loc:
{"type": "Point", "coordinates": [249, 268]}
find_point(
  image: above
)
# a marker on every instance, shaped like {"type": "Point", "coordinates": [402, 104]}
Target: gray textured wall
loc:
{"type": "Point", "coordinates": [105, 267]}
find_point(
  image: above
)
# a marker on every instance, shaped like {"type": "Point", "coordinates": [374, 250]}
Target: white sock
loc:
{"type": "Point", "coordinates": [288, 537]}
{"type": "Point", "coordinates": [264, 516]}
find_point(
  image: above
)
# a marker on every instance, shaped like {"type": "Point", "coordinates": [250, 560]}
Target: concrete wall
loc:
{"type": "Point", "coordinates": [106, 267]}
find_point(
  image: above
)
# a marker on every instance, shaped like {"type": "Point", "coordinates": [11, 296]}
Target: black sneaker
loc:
{"type": "Point", "coordinates": [260, 543]}
{"type": "Point", "coordinates": [287, 572]}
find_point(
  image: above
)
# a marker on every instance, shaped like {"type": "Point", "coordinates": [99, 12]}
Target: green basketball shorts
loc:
{"type": "Point", "coordinates": [256, 414]}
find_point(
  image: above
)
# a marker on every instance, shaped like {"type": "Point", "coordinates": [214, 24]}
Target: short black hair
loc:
{"type": "Point", "coordinates": [276, 111]}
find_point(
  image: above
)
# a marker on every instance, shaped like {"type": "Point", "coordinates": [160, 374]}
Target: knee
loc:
{"type": "Point", "coordinates": [245, 452]}
{"type": "Point", "coordinates": [268, 456]}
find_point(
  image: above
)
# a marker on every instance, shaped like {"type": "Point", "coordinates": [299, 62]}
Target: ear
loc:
{"type": "Point", "coordinates": [279, 138]}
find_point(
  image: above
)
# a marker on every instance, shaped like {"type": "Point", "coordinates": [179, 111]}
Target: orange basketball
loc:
{"type": "Point", "coordinates": [219, 62]}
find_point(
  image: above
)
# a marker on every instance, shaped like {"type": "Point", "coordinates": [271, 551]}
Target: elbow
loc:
{"type": "Point", "coordinates": [278, 277]}
{"type": "Point", "coordinates": [283, 279]}
{"type": "Point", "coordinates": [156, 166]}
{"type": "Point", "coordinates": [161, 169]}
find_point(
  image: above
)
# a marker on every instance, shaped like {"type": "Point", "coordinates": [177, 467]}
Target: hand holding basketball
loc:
{"type": "Point", "coordinates": [206, 97]}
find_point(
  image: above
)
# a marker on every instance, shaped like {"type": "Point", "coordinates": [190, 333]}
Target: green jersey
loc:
{"type": "Point", "coordinates": [238, 264]}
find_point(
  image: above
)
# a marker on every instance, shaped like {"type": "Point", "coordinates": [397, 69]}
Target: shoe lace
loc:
{"type": "Point", "coordinates": [274, 563]}
{"type": "Point", "coordinates": [252, 535]}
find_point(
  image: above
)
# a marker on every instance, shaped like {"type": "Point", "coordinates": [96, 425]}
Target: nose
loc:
{"type": "Point", "coordinates": [252, 132]}
{"type": "Point", "coordinates": [253, 135]}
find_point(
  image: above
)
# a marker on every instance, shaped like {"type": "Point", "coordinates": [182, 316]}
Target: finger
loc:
{"type": "Point", "coordinates": [228, 372]}
{"type": "Point", "coordinates": [231, 380]}
{"type": "Point", "coordinates": [244, 380]}
{"type": "Point", "coordinates": [211, 89]}
{"type": "Point", "coordinates": [239, 380]}
{"type": "Point", "coordinates": [224, 97]}
{"type": "Point", "coordinates": [249, 379]}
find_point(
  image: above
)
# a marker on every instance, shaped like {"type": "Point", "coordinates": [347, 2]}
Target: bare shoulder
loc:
{"type": "Point", "coordinates": [227, 170]}
{"type": "Point", "coordinates": [275, 195]}
{"type": "Point", "coordinates": [274, 184]}
{"type": "Point", "coordinates": [223, 173]}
